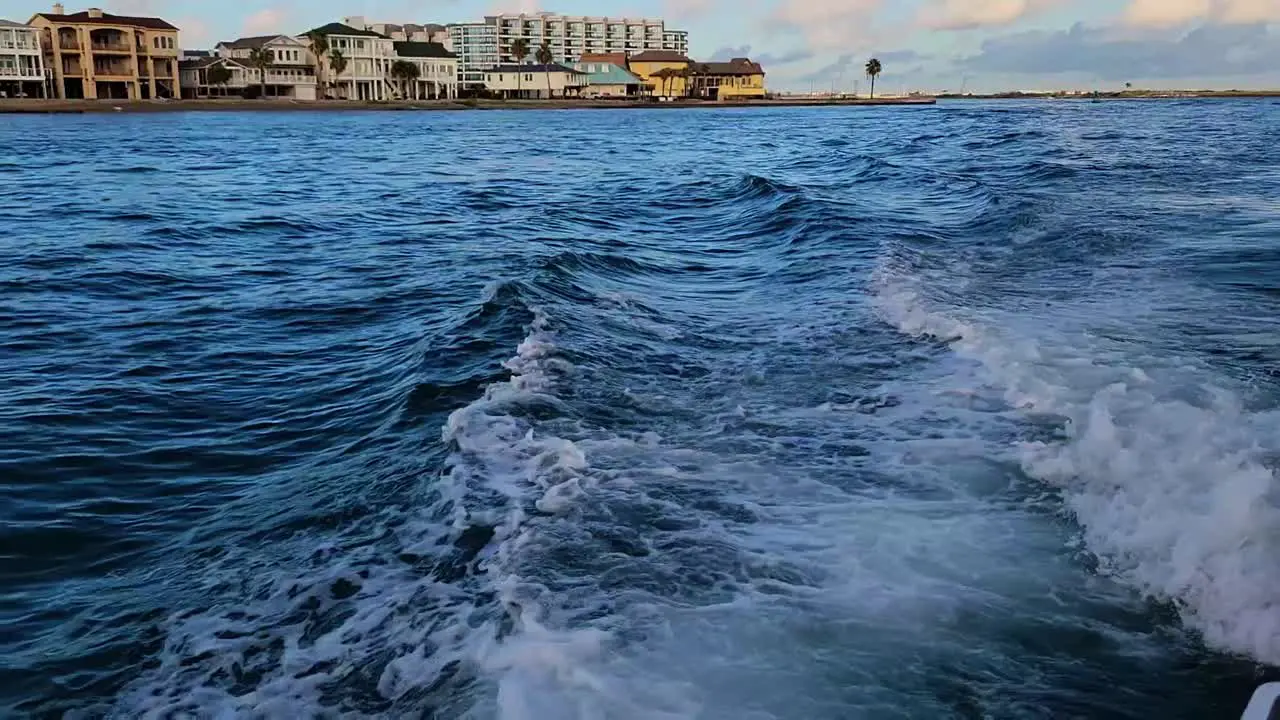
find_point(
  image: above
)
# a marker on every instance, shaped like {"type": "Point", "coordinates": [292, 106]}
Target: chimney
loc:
{"type": "Point", "coordinates": [58, 9]}
{"type": "Point", "coordinates": [95, 12]}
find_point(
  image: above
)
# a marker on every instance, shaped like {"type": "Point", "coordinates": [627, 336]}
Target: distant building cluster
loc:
{"type": "Point", "coordinates": [94, 54]}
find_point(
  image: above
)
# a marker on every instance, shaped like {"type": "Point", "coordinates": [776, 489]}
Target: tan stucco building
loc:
{"type": "Point", "coordinates": [97, 55]}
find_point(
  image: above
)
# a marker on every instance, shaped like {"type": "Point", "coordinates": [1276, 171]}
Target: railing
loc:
{"type": "Point", "coordinates": [110, 47]}
{"type": "Point", "coordinates": [69, 44]}
{"type": "Point", "coordinates": [17, 46]}
{"type": "Point", "coordinates": [6, 71]}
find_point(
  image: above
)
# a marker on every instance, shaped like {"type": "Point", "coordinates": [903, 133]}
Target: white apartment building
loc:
{"type": "Point", "coordinates": [291, 73]}
{"type": "Point", "coordinates": [481, 46]}
{"type": "Point", "coordinates": [369, 56]}
{"type": "Point", "coordinates": [21, 61]}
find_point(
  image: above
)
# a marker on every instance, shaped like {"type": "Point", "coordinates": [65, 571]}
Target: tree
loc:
{"type": "Point", "coordinates": [261, 59]}
{"type": "Point", "coordinates": [665, 75]}
{"type": "Point", "coordinates": [338, 62]}
{"type": "Point", "coordinates": [319, 45]}
{"type": "Point", "coordinates": [519, 51]}
{"type": "Point", "coordinates": [406, 72]}
{"type": "Point", "coordinates": [545, 58]}
{"type": "Point", "coordinates": [688, 73]}
{"type": "Point", "coordinates": [873, 71]}
{"type": "Point", "coordinates": [218, 75]}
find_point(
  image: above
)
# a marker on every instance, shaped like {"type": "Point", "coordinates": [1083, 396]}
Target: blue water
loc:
{"type": "Point", "coordinates": [966, 411]}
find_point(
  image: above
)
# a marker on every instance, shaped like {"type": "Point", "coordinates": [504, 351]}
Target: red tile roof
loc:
{"type": "Point", "coordinates": [670, 56]}
{"type": "Point", "coordinates": [108, 19]}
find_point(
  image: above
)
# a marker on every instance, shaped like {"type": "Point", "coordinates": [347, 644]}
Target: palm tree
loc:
{"type": "Point", "coordinates": [338, 62]}
{"type": "Point", "coordinates": [663, 74]}
{"type": "Point", "coordinates": [519, 50]}
{"type": "Point", "coordinates": [873, 71]}
{"type": "Point", "coordinates": [688, 73]}
{"type": "Point", "coordinates": [319, 48]}
{"type": "Point", "coordinates": [545, 58]}
{"type": "Point", "coordinates": [218, 75]}
{"type": "Point", "coordinates": [261, 59]}
{"type": "Point", "coordinates": [406, 72]}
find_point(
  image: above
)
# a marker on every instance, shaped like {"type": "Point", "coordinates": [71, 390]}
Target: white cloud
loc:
{"type": "Point", "coordinates": [970, 14]}
{"type": "Point", "coordinates": [265, 22]}
{"type": "Point", "coordinates": [1172, 13]}
{"type": "Point", "coordinates": [829, 24]}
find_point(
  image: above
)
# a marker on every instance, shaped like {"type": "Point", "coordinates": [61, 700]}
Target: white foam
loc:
{"type": "Point", "coordinates": [1172, 494]}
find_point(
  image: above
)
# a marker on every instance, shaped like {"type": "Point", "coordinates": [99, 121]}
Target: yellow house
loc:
{"type": "Point", "coordinates": [662, 71]}
{"type": "Point", "coordinates": [738, 79]}
{"type": "Point", "coordinates": [97, 55]}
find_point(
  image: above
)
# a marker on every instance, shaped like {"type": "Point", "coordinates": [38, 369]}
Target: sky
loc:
{"type": "Point", "coordinates": [926, 45]}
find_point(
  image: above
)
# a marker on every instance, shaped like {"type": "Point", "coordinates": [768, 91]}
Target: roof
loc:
{"type": "Point", "coordinates": [553, 67]}
{"type": "Point", "coordinates": [250, 43]}
{"type": "Point", "coordinates": [619, 59]}
{"type": "Point", "coordinates": [423, 50]}
{"type": "Point", "coordinates": [107, 19]}
{"type": "Point", "coordinates": [337, 28]}
{"type": "Point", "coordinates": [736, 66]}
{"type": "Point", "coordinates": [611, 75]}
{"type": "Point", "coordinates": [203, 63]}
{"type": "Point", "coordinates": [10, 23]}
{"type": "Point", "coordinates": [660, 56]}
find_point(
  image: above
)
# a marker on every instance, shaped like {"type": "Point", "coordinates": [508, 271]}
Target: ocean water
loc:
{"type": "Point", "coordinates": [957, 412]}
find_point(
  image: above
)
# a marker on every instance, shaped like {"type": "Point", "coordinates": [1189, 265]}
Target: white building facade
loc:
{"type": "Point", "coordinates": [437, 70]}
{"type": "Point", "coordinates": [369, 56]}
{"type": "Point", "coordinates": [535, 81]}
{"type": "Point", "coordinates": [290, 75]}
{"type": "Point", "coordinates": [483, 45]}
{"type": "Point", "coordinates": [21, 61]}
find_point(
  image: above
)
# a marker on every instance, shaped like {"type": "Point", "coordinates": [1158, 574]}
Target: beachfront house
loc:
{"type": "Point", "coordinates": [738, 79]}
{"type": "Point", "coordinates": [661, 71]}
{"type": "Point", "coordinates": [534, 81]}
{"type": "Point", "coordinates": [437, 70]}
{"type": "Point", "coordinates": [97, 55]}
{"type": "Point", "coordinates": [198, 77]}
{"type": "Point", "coordinates": [21, 61]}
{"type": "Point", "coordinates": [291, 73]}
{"type": "Point", "coordinates": [607, 76]}
{"type": "Point", "coordinates": [368, 55]}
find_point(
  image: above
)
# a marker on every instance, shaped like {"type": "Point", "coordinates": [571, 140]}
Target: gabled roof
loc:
{"type": "Point", "coordinates": [107, 19]}
{"type": "Point", "coordinates": [10, 23]}
{"type": "Point", "coordinates": [423, 50]}
{"type": "Point", "coordinates": [337, 28]}
{"type": "Point", "coordinates": [553, 67]}
{"type": "Point", "coordinates": [736, 66]}
{"type": "Point", "coordinates": [254, 43]}
{"type": "Point", "coordinates": [611, 75]}
{"type": "Point", "coordinates": [203, 63]}
{"type": "Point", "coordinates": [618, 58]}
{"type": "Point", "coordinates": [670, 56]}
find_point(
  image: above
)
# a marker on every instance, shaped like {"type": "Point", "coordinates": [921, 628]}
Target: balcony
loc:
{"type": "Point", "coordinates": [111, 47]}
{"type": "Point", "coordinates": [17, 71]}
{"type": "Point", "coordinates": [69, 44]}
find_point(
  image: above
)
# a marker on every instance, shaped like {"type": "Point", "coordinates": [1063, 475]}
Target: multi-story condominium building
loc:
{"type": "Point", "coordinates": [93, 54]}
{"type": "Point", "coordinates": [476, 45]}
{"type": "Point", "coordinates": [21, 61]}
{"type": "Point", "coordinates": [437, 70]}
{"type": "Point", "coordinates": [481, 45]}
{"type": "Point", "coordinates": [368, 56]}
{"type": "Point", "coordinates": [292, 72]}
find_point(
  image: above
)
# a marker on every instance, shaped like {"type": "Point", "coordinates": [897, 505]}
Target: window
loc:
{"type": "Point", "coordinates": [528, 77]}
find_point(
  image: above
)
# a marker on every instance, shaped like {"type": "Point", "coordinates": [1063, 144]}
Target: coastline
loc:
{"type": "Point", "coordinates": [77, 107]}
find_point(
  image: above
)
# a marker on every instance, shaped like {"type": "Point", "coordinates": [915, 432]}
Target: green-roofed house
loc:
{"type": "Point", "coordinates": [369, 57]}
{"type": "Point", "coordinates": [607, 76]}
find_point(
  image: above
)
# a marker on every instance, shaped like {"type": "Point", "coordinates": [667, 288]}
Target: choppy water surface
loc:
{"type": "Point", "coordinates": [967, 411]}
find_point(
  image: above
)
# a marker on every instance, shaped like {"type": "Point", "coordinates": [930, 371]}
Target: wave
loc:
{"type": "Point", "coordinates": [1165, 474]}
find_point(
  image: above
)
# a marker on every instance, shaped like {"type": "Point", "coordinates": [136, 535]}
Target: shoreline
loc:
{"type": "Point", "coordinates": [78, 107]}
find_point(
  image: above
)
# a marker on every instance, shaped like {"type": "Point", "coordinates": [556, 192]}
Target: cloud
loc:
{"type": "Point", "coordinates": [687, 9]}
{"type": "Point", "coordinates": [901, 56]}
{"type": "Point", "coordinates": [1173, 13]}
{"type": "Point", "coordinates": [264, 22]}
{"type": "Point", "coordinates": [766, 59]}
{"type": "Point", "coordinates": [972, 14]}
{"type": "Point", "coordinates": [1208, 51]}
{"type": "Point", "coordinates": [829, 24]}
